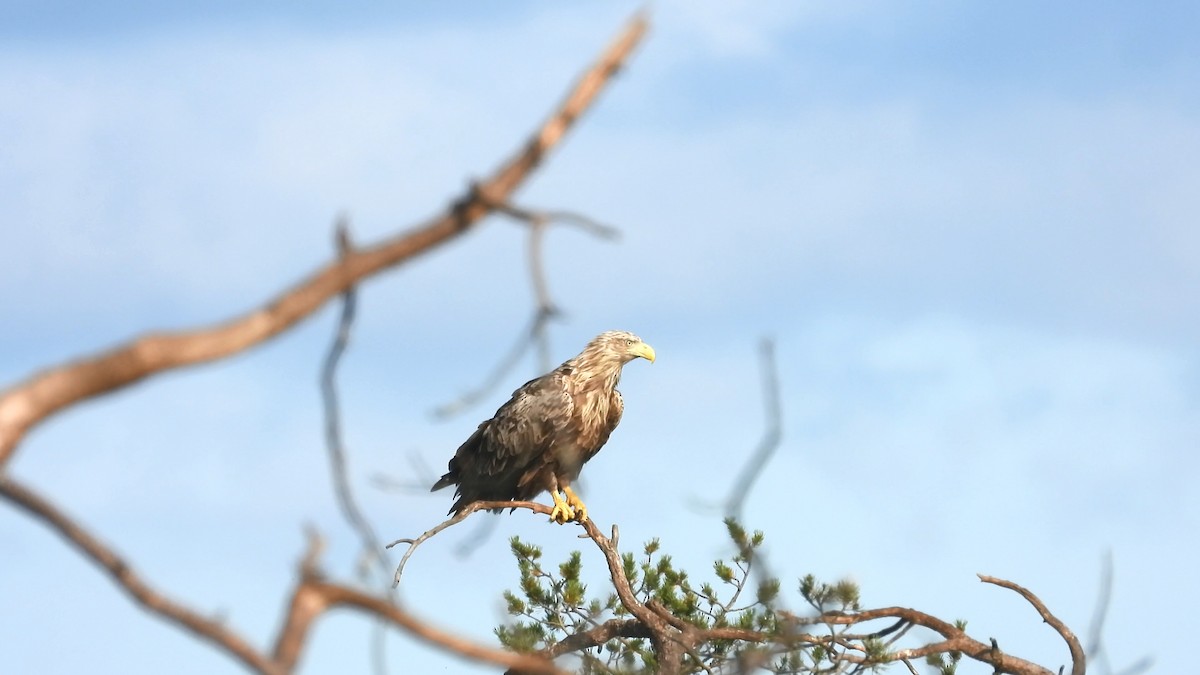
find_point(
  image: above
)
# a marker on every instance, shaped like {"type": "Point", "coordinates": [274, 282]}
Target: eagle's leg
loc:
{"type": "Point", "coordinates": [562, 512]}
{"type": "Point", "coordinates": [575, 503]}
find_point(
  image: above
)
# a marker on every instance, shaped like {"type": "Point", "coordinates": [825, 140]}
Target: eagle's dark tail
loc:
{"type": "Point", "coordinates": [462, 465]}
{"type": "Point", "coordinates": [447, 480]}
{"type": "Point", "coordinates": [454, 475]}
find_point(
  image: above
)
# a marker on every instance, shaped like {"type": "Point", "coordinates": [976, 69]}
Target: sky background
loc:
{"type": "Point", "coordinates": [969, 227]}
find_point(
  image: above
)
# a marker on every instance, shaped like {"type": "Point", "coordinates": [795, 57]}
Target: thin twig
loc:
{"type": "Point", "coordinates": [771, 437]}
{"type": "Point", "coordinates": [454, 520]}
{"type": "Point", "coordinates": [1097, 655]}
{"type": "Point", "coordinates": [527, 336]}
{"type": "Point", "coordinates": [1095, 643]}
{"type": "Point", "coordinates": [545, 309]}
{"type": "Point", "coordinates": [333, 426]}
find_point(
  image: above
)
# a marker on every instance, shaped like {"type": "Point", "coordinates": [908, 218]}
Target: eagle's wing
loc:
{"type": "Point", "coordinates": [519, 436]}
{"type": "Point", "coordinates": [523, 430]}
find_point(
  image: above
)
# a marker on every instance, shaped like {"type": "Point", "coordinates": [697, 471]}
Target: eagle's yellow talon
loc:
{"type": "Point", "coordinates": [562, 513]}
{"type": "Point", "coordinates": [575, 503]}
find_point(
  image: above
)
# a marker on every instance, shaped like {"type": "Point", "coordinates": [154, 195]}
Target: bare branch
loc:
{"type": "Point", "coordinates": [1096, 654]}
{"type": "Point", "coordinates": [336, 447]}
{"type": "Point", "coordinates": [527, 337]}
{"type": "Point", "coordinates": [333, 426]}
{"type": "Point", "coordinates": [454, 520]}
{"type": "Point", "coordinates": [546, 309]}
{"type": "Point", "coordinates": [123, 575]}
{"type": "Point", "coordinates": [1078, 658]}
{"type": "Point", "coordinates": [29, 402]}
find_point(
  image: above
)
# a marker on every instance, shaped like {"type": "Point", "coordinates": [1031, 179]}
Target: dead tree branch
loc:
{"type": "Point", "coordinates": [454, 520]}
{"type": "Point", "coordinates": [45, 393]}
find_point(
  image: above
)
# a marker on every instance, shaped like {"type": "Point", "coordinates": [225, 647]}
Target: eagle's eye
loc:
{"type": "Point", "coordinates": [628, 342]}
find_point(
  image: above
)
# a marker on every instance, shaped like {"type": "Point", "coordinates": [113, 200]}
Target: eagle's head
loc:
{"type": "Point", "coordinates": [620, 346]}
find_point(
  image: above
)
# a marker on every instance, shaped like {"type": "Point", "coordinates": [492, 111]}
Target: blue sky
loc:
{"type": "Point", "coordinates": [969, 228]}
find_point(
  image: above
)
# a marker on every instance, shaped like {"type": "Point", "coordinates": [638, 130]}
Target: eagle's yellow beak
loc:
{"type": "Point", "coordinates": [643, 350]}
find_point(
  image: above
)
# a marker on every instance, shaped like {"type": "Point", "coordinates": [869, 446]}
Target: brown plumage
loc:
{"type": "Point", "coordinates": [541, 438]}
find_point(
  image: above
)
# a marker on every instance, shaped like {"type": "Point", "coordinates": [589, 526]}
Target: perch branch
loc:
{"type": "Point", "coordinates": [454, 520]}
{"type": "Point", "coordinates": [45, 393]}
